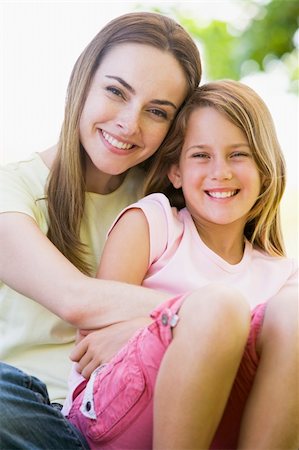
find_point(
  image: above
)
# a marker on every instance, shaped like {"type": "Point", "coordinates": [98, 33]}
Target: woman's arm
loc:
{"type": "Point", "coordinates": [125, 258]}
{"type": "Point", "coordinates": [31, 265]}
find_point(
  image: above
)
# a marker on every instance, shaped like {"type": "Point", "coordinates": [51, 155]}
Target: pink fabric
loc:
{"type": "Point", "coordinates": [181, 262]}
{"type": "Point", "coordinates": [120, 413]}
{"type": "Point", "coordinates": [123, 390]}
{"type": "Point", "coordinates": [121, 393]}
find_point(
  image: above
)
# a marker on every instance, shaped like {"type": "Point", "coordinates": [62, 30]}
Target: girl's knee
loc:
{"type": "Point", "coordinates": [216, 309]}
{"type": "Point", "coordinates": [281, 319]}
{"type": "Point", "coordinates": [219, 302]}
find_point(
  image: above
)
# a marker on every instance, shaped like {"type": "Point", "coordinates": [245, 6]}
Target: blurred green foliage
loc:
{"type": "Point", "coordinates": [268, 37]}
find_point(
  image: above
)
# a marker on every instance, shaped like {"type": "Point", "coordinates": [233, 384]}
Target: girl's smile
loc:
{"type": "Point", "coordinates": [217, 171]}
{"type": "Point", "coordinates": [221, 193]}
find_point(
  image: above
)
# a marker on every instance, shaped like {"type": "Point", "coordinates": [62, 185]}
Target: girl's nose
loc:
{"type": "Point", "coordinates": [221, 170]}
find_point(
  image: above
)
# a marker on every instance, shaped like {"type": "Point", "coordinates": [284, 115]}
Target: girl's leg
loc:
{"type": "Point", "coordinates": [199, 367]}
{"type": "Point", "coordinates": [270, 419]}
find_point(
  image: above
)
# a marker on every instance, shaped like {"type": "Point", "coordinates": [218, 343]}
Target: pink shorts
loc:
{"type": "Point", "coordinates": [114, 410]}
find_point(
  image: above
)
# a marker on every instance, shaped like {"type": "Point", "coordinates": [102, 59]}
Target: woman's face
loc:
{"type": "Point", "coordinates": [133, 98]}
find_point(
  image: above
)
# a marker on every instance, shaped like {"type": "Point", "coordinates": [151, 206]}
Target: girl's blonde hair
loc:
{"type": "Point", "coordinates": [244, 108]}
{"type": "Point", "coordinates": [66, 185]}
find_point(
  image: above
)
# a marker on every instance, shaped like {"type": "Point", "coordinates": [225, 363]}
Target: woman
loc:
{"type": "Point", "coordinates": [57, 206]}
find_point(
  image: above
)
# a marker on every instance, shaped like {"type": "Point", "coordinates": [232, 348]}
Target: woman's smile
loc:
{"type": "Point", "coordinates": [126, 116]}
{"type": "Point", "coordinates": [114, 142]}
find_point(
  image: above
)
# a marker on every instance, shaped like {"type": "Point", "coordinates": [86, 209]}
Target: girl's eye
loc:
{"type": "Point", "coordinates": [240, 155]}
{"type": "Point", "coordinates": [115, 91]}
{"type": "Point", "coordinates": [159, 113]}
{"type": "Point", "coordinates": [200, 155]}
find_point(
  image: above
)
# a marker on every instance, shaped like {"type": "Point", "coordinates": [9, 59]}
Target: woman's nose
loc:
{"type": "Point", "coordinates": [129, 121]}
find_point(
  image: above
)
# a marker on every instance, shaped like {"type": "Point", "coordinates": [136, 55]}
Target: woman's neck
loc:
{"type": "Point", "coordinates": [96, 181]}
{"type": "Point", "coordinates": [100, 182]}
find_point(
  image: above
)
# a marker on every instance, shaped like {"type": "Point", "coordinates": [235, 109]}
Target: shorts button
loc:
{"type": "Point", "coordinates": [164, 319]}
{"type": "Point", "coordinates": [88, 406]}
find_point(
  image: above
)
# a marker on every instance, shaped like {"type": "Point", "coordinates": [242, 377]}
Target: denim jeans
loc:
{"type": "Point", "coordinates": [28, 421]}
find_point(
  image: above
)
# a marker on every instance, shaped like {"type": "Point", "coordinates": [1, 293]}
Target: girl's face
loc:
{"type": "Point", "coordinates": [133, 98]}
{"type": "Point", "coordinates": [217, 171]}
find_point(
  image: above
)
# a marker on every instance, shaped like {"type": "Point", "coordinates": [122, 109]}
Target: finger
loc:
{"type": "Point", "coordinates": [84, 362]}
{"type": "Point", "coordinates": [79, 350]}
{"type": "Point", "coordinates": [89, 368]}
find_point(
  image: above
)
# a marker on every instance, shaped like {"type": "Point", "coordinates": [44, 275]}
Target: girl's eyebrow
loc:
{"type": "Point", "coordinates": [197, 146]}
{"type": "Point", "coordinates": [240, 144]}
{"type": "Point", "coordinates": [205, 146]}
{"type": "Point", "coordinates": [132, 90]}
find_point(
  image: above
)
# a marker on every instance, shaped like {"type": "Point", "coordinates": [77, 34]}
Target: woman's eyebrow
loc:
{"type": "Point", "coordinates": [132, 90]}
{"type": "Point", "coordinates": [123, 83]}
{"type": "Point", "coordinates": [164, 102]}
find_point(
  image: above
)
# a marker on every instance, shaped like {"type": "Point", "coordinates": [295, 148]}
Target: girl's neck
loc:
{"type": "Point", "coordinates": [225, 241]}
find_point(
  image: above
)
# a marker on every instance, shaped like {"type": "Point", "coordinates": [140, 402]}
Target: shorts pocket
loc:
{"type": "Point", "coordinates": [119, 393]}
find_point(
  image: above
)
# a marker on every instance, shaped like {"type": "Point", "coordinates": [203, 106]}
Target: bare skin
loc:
{"type": "Point", "coordinates": [211, 335]}
{"type": "Point", "coordinates": [271, 418]}
{"type": "Point", "coordinates": [74, 297]}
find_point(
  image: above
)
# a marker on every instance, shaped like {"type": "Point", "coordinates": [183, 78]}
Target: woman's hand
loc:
{"type": "Point", "coordinates": [95, 347]}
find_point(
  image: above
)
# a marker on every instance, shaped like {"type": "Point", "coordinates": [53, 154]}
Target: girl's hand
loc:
{"type": "Point", "coordinates": [95, 347]}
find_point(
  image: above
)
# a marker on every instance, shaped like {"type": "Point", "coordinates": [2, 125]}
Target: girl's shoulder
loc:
{"type": "Point", "coordinates": [158, 206]}
{"type": "Point", "coordinates": [164, 223]}
{"type": "Point", "coordinates": [278, 264]}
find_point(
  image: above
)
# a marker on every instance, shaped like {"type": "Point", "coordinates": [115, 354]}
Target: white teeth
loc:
{"type": "Point", "coordinates": [115, 142]}
{"type": "Point", "coordinates": [222, 194]}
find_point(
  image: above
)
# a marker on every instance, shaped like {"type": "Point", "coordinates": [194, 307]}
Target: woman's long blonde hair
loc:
{"type": "Point", "coordinates": [243, 107]}
{"type": "Point", "coordinates": [66, 185]}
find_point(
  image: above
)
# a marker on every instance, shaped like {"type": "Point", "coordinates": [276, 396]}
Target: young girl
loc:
{"type": "Point", "coordinates": [220, 177]}
{"type": "Point", "coordinates": [57, 206]}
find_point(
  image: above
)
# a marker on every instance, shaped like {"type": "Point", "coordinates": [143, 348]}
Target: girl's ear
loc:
{"type": "Point", "coordinates": [174, 175]}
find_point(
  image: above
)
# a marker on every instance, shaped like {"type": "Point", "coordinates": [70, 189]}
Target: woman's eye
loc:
{"type": "Point", "coordinates": [115, 91]}
{"type": "Point", "coordinates": [159, 113]}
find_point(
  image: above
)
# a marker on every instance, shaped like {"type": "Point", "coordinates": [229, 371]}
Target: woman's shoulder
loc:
{"type": "Point", "coordinates": [30, 167]}
{"type": "Point", "coordinates": [22, 183]}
